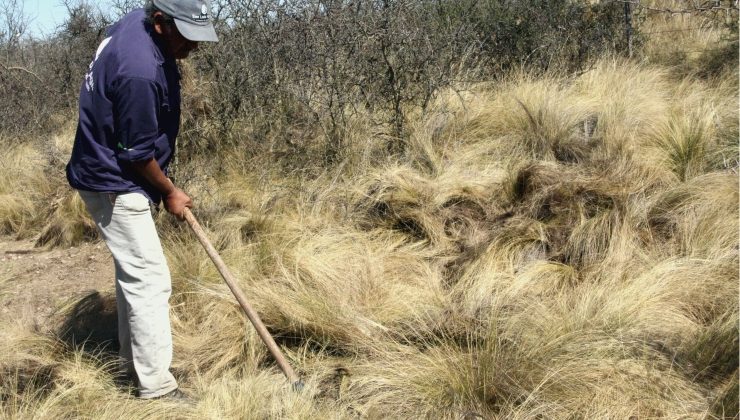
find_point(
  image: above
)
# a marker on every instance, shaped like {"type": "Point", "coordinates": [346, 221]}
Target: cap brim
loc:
{"type": "Point", "coordinates": [197, 33]}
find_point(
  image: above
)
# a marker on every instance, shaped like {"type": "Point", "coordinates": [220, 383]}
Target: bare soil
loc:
{"type": "Point", "coordinates": [36, 284]}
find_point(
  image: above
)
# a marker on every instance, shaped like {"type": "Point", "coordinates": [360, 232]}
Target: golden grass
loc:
{"type": "Point", "coordinates": [34, 197]}
{"type": "Point", "coordinates": [554, 247]}
{"type": "Point", "coordinates": [691, 43]}
{"type": "Point", "coordinates": [22, 187]}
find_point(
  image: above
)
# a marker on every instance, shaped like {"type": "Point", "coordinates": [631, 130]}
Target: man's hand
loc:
{"type": "Point", "coordinates": [176, 201]}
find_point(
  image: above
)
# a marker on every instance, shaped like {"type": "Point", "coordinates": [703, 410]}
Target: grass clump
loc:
{"type": "Point", "coordinates": [22, 187]}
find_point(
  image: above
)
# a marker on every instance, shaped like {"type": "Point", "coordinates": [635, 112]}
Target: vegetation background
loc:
{"type": "Point", "coordinates": [442, 209]}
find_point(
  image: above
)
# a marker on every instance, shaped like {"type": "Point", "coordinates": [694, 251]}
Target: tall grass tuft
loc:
{"type": "Point", "coordinates": [23, 188]}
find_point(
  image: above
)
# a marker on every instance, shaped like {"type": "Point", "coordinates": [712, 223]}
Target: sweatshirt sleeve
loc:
{"type": "Point", "coordinates": [135, 112]}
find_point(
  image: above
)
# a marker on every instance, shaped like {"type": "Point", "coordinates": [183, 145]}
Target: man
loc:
{"type": "Point", "coordinates": [129, 119]}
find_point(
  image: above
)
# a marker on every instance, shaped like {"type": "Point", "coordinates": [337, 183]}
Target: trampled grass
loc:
{"type": "Point", "coordinates": [545, 248]}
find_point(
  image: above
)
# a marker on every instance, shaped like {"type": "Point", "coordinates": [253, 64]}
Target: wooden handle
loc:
{"type": "Point", "coordinates": [242, 299]}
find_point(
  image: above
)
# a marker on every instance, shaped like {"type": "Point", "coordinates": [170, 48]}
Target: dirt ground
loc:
{"type": "Point", "coordinates": [36, 283]}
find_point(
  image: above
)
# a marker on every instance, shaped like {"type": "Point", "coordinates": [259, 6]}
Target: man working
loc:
{"type": "Point", "coordinates": [129, 118]}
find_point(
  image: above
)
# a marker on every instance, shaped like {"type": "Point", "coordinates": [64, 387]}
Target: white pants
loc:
{"type": "Point", "coordinates": [143, 287]}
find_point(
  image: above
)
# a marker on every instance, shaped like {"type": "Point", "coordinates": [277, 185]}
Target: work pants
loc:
{"type": "Point", "coordinates": [143, 287]}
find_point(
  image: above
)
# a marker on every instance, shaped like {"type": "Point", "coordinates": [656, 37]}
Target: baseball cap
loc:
{"type": "Point", "coordinates": [192, 18]}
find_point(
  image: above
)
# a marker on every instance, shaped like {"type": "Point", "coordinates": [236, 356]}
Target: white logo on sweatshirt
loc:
{"type": "Point", "coordinates": [89, 83]}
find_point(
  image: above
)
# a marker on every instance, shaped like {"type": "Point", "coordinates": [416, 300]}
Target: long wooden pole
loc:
{"type": "Point", "coordinates": [242, 299]}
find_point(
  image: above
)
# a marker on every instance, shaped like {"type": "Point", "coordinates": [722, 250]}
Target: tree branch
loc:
{"type": "Point", "coordinates": [6, 68]}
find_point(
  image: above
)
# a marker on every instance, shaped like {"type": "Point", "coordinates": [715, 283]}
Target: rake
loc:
{"type": "Point", "coordinates": [242, 299]}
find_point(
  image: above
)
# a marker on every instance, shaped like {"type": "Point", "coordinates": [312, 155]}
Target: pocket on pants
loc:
{"type": "Point", "coordinates": [133, 202]}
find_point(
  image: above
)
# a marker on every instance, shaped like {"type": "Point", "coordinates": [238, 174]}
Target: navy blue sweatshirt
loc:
{"type": "Point", "coordinates": [129, 111]}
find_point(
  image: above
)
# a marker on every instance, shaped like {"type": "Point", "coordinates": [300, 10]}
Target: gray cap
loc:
{"type": "Point", "coordinates": [192, 18]}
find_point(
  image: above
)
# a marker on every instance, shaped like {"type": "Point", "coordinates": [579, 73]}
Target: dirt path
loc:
{"type": "Point", "coordinates": [35, 282]}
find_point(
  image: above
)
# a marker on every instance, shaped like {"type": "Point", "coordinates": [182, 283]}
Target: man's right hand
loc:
{"type": "Point", "coordinates": [176, 201]}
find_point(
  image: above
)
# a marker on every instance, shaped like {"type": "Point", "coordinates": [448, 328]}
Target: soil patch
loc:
{"type": "Point", "coordinates": [35, 283]}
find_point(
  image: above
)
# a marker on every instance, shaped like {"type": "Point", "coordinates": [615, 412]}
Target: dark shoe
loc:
{"type": "Point", "coordinates": [175, 396]}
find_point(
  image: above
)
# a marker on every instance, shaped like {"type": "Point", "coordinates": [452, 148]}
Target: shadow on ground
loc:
{"type": "Point", "coordinates": [92, 325]}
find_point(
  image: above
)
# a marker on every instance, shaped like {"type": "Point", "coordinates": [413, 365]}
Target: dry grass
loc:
{"type": "Point", "coordinates": [696, 44]}
{"type": "Point", "coordinates": [553, 247]}
{"type": "Point", "coordinates": [34, 197]}
{"type": "Point", "coordinates": [22, 188]}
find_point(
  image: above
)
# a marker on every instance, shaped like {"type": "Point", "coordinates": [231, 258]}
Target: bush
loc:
{"type": "Point", "coordinates": [292, 71]}
{"type": "Point", "coordinates": [42, 78]}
